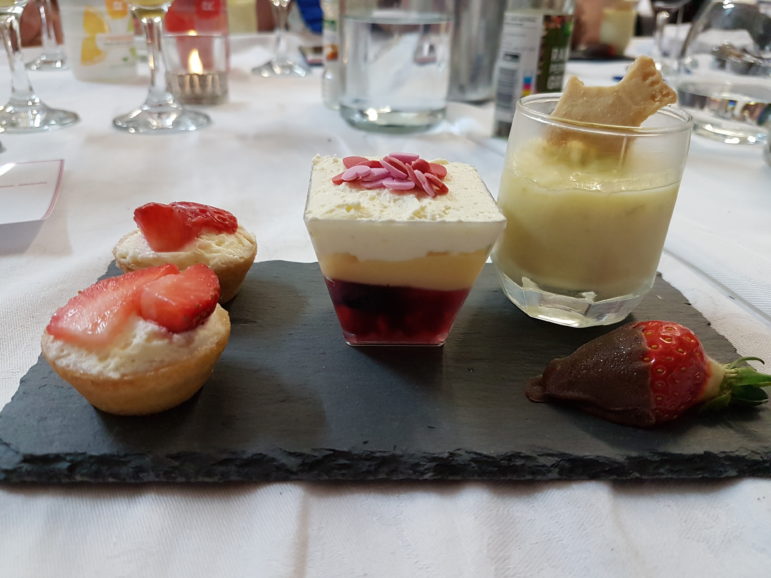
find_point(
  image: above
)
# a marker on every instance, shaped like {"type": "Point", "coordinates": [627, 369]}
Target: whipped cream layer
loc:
{"type": "Point", "coordinates": [378, 224]}
{"type": "Point", "coordinates": [218, 250]}
{"type": "Point", "coordinates": [142, 347]}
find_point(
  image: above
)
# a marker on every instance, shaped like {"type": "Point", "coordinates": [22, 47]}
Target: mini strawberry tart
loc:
{"type": "Point", "coordinates": [184, 234]}
{"type": "Point", "coordinates": [142, 342]}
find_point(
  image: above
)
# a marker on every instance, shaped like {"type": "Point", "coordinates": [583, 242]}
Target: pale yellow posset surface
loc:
{"type": "Point", "coordinates": [380, 237]}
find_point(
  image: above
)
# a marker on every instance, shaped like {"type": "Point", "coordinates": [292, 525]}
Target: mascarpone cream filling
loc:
{"type": "Point", "coordinates": [217, 250]}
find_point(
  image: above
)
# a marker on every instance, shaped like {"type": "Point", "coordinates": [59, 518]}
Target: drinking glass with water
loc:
{"type": "Point", "coordinates": [395, 63]}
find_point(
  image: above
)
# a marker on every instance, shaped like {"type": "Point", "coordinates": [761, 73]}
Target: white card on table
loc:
{"type": "Point", "coordinates": [29, 190]}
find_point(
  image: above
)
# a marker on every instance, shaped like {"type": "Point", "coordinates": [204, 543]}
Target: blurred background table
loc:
{"type": "Point", "coordinates": [255, 161]}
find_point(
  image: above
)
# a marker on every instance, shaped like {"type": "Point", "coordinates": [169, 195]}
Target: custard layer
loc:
{"type": "Point", "coordinates": [440, 271]}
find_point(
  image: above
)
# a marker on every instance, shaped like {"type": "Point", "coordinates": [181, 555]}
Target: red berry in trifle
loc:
{"type": "Point", "coordinates": [400, 242]}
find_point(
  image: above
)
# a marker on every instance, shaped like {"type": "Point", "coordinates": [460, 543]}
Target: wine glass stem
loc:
{"type": "Point", "coordinates": [158, 94]}
{"type": "Point", "coordinates": [280, 51]}
{"type": "Point", "coordinates": [21, 88]}
{"type": "Point", "coordinates": [48, 36]}
{"type": "Point", "coordinates": [662, 17]}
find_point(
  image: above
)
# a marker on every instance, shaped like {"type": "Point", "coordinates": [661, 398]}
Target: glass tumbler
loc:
{"type": "Point", "coordinates": [588, 207]}
{"type": "Point", "coordinates": [395, 63]}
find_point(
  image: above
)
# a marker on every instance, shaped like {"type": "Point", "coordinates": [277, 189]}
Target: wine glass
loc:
{"type": "Point", "coordinates": [52, 57]}
{"type": "Point", "coordinates": [281, 64]}
{"type": "Point", "coordinates": [24, 111]}
{"type": "Point", "coordinates": [663, 10]}
{"type": "Point", "coordinates": [160, 112]}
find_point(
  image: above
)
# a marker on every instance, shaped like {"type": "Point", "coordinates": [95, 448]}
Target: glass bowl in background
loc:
{"type": "Point", "coordinates": [723, 77]}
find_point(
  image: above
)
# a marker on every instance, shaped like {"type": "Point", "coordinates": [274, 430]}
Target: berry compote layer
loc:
{"type": "Point", "coordinates": [384, 315]}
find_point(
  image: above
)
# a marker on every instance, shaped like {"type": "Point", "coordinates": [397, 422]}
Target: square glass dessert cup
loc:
{"type": "Point", "coordinates": [588, 207]}
{"type": "Point", "coordinates": [399, 265]}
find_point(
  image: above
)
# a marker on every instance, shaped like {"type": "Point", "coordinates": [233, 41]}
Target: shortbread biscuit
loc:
{"type": "Point", "coordinates": [637, 96]}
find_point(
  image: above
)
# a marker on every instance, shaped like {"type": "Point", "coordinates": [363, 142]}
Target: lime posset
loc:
{"type": "Point", "coordinates": [587, 207]}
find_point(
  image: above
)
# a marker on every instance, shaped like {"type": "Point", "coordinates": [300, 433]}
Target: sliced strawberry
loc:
{"type": "Point", "coordinates": [207, 218]}
{"type": "Point", "coordinates": [97, 315]}
{"type": "Point", "coordinates": [181, 302]}
{"type": "Point", "coordinates": [164, 227]}
{"type": "Point", "coordinates": [171, 227]}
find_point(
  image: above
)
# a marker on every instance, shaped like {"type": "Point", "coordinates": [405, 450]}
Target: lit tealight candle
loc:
{"type": "Point", "coordinates": [196, 85]}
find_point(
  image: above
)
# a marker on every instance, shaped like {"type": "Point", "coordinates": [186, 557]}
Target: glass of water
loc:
{"type": "Point", "coordinates": [395, 58]}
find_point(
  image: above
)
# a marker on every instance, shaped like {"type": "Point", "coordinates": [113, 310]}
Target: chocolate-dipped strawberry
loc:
{"type": "Point", "coordinates": [647, 373]}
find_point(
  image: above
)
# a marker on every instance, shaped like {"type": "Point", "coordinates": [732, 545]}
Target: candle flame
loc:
{"type": "Point", "coordinates": [194, 64]}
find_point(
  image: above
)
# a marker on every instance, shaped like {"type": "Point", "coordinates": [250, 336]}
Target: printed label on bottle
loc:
{"type": "Point", "coordinates": [330, 40]}
{"type": "Point", "coordinates": [99, 39]}
{"type": "Point", "coordinates": [534, 51]}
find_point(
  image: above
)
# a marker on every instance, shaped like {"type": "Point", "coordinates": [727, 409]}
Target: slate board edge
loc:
{"type": "Point", "coordinates": [341, 466]}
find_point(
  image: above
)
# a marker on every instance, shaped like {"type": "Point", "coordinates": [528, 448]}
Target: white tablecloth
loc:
{"type": "Point", "coordinates": [254, 160]}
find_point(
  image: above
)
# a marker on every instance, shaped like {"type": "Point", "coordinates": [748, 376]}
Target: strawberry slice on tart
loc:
{"type": "Point", "coordinates": [171, 227]}
{"type": "Point", "coordinates": [181, 302]}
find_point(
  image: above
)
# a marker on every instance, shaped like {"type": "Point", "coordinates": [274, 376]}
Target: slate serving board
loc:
{"type": "Point", "coordinates": [289, 400]}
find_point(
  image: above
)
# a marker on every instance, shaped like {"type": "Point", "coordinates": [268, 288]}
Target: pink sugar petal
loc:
{"type": "Point", "coordinates": [425, 185]}
{"type": "Point", "coordinates": [411, 176]}
{"type": "Point", "coordinates": [401, 165]}
{"type": "Point", "coordinates": [352, 161]}
{"type": "Point", "coordinates": [391, 168]}
{"type": "Point", "coordinates": [405, 157]}
{"type": "Point", "coordinates": [337, 179]}
{"type": "Point", "coordinates": [398, 184]}
{"type": "Point", "coordinates": [439, 187]}
{"type": "Point", "coordinates": [356, 172]}
{"type": "Point", "coordinates": [372, 184]}
{"type": "Point", "coordinates": [421, 165]}
{"type": "Point", "coordinates": [376, 174]}
{"type": "Point", "coordinates": [439, 170]}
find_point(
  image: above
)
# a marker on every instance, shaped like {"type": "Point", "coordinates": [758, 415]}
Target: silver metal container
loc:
{"type": "Point", "coordinates": [475, 40]}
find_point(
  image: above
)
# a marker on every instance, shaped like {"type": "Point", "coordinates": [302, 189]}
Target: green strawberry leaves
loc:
{"type": "Point", "coordinates": [742, 385]}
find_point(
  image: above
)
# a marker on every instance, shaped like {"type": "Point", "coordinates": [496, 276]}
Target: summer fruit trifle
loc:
{"type": "Point", "coordinates": [142, 342]}
{"type": "Point", "coordinates": [400, 242]}
{"type": "Point", "coordinates": [187, 233]}
{"type": "Point", "coordinates": [647, 373]}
